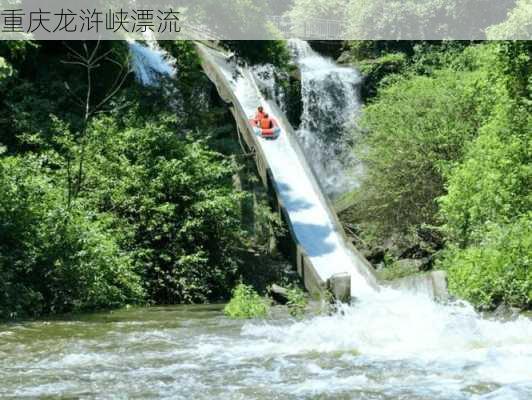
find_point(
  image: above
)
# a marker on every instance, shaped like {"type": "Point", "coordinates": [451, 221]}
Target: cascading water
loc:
{"type": "Point", "coordinates": [330, 107]}
{"type": "Point", "coordinates": [150, 62]}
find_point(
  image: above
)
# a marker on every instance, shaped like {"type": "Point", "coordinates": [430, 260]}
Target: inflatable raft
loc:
{"type": "Point", "coordinates": [271, 133]}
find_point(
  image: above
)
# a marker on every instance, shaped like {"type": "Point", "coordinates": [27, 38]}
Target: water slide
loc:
{"type": "Point", "coordinates": [310, 216]}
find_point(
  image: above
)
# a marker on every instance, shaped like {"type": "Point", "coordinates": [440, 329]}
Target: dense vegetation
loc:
{"type": "Point", "coordinates": [448, 161]}
{"type": "Point", "coordinates": [131, 202]}
{"type": "Point", "coordinates": [115, 194]}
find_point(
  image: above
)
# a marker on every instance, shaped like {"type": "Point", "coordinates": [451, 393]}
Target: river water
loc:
{"type": "Point", "coordinates": [396, 346]}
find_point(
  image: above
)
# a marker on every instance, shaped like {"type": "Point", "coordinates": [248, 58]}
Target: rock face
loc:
{"type": "Point", "coordinates": [433, 284]}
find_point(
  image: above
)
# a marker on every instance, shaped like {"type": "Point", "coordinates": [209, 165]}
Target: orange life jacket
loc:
{"type": "Point", "coordinates": [266, 123]}
{"type": "Point", "coordinates": [259, 116]}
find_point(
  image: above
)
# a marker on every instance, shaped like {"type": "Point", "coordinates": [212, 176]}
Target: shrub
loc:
{"type": "Point", "coordinates": [497, 270]}
{"type": "Point", "coordinates": [297, 300]}
{"type": "Point", "coordinates": [377, 72]}
{"type": "Point", "coordinates": [411, 19]}
{"type": "Point", "coordinates": [177, 200]}
{"type": "Point", "coordinates": [261, 51]}
{"type": "Point", "coordinates": [416, 129]}
{"type": "Point", "coordinates": [246, 303]}
{"type": "Point", "coordinates": [491, 186]}
{"type": "Point", "coordinates": [53, 259]}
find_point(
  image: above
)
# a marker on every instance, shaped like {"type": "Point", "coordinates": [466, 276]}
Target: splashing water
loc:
{"type": "Point", "coordinates": [393, 346]}
{"type": "Point", "coordinates": [330, 106]}
{"type": "Point", "coordinates": [267, 77]}
{"type": "Point", "coordinates": [150, 62]}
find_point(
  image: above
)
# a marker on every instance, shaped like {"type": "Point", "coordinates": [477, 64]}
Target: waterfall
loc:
{"type": "Point", "coordinates": [331, 104]}
{"type": "Point", "coordinates": [150, 62]}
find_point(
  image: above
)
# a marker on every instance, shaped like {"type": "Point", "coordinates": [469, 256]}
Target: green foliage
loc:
{"type": "Point", "coordinates": [448, 148]}
{"type": "Point", "coordinates": [513, 64]}
{"type": "Point", "coordinates": [325, 9]}
{"type": "Point", "coordinates": [5, 70]}
{"type": "Point", "coordinates": [17, 51]}
{"type": "Point", "coordinates": [410, 19]}
{"type": "Point", "coordinates": [496, 270]}
{"type": "Point", "coordinates": [177, 200]}
{"type": "Point", "coordinates": [52, 259]}
{"type": "Point", "coordinates": [297, 300]}
{"type": "Point", "coordinates": [246, 303]}
{"type": "Point", "coordinates": [158, 219]}
{"type": "Point", "coordinates": [492, 185]}
{"type": "Point", "coordinates": [416, 129]}
{"type": "Point", "coordinates": [378, 71]}
{"type": "Point", "coordinates": [487, 206]}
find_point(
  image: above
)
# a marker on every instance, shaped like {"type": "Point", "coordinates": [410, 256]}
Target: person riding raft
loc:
{"type": "Point", "coordinates": [265, 125]}
{"type": "Point", "coordinates": [259, 115]}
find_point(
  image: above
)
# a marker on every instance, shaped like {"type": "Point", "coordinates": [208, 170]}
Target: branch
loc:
{"type": "Point", "coordinates": [113, 92]}
{"type": "Point", "coordinates": [98, 59]}
{"type": "Point", "coordinates": [74, 95]}
{"type": "Point", "coordinates": [73, 51]}
{"type": "Point", "coordinates": [83, 64]}
{"type": "Point", "coordinates": [91, 58]}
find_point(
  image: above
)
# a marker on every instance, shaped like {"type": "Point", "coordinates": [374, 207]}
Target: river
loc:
{"type": "Point", "coordinates": [410, 348]}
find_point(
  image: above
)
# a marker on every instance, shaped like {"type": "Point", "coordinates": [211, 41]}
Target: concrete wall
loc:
{"type": "Point", "coordinates": [432, 284]}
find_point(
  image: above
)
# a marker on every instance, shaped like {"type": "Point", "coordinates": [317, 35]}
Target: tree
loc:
{"type": "Point", "coordinates": [90, 61]}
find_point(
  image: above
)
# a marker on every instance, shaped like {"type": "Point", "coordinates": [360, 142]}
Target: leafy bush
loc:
{"type": "Point", "coordinates": [377, 71]}
{"type": "Point", "coordinates": [297, 300]}
{"type": "Point", "coordinates": [261, 51]}
{"type": "Point", "coordinates": [496, 270]}
{"type": "Point", "coordinates": [411, 19]}
{"type": "Point", "coordinates": [491, 186]}
{"type": "Point", "coordinates": [5, 70]}
{"type": "Point", "coordinates": [416, 129]}
{"type": "Point", "coordinates": [325, 9]}
{"type": "Point", "coordinates": [517, 25]}
{"type": "Point", "coordinates": [53, 259]}
{"type": "Point", "coordinates": [246, 303]}
{"type": "Point", "coordinates": [176, 199]}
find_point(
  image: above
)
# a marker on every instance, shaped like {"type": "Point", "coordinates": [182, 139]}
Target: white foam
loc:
{"type": "Point", "coordinates": [150, 62]}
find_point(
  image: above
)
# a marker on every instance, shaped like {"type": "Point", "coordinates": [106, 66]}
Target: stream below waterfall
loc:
{"type": "Point", "coordinates": [395, 346]}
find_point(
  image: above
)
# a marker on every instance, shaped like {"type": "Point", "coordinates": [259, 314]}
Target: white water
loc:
{"type": "Point", "coordinates": [331, 105]}
{"type": "Point", "coordinates": [150, 62]}
{"type": "Point", "coordinates": [392, 346]}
